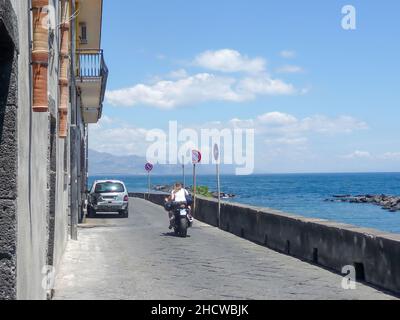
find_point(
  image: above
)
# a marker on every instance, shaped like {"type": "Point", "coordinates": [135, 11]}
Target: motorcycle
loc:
{"type": "Point", "coordinates": [182, 219]}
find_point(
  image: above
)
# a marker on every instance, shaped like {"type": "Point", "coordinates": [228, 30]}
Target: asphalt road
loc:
{"type": "Point", "coordinates": [139, 258]}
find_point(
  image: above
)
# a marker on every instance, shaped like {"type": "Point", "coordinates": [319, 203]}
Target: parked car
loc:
{"type": "Point", "coordinates": [108, 196]}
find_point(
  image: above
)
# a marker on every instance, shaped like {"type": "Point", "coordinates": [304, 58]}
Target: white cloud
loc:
{"type": "Point", "coordinates": [105, 120]}
{"type": "Point", "coordinates": [390, 156]}
{"type": "Point", "coordinates": [284, 129]}
{"type": "Point", "coordinates": [228, 60]}
{"type": "Point", "coordinates": [358, 155]}
{"type": "Point", "coordinates": [277, 118]}
{"type": "Point", "coordinates": [290, 69]}
{"type": "Point", "coordinates": [178, 74]}
{"type": "Point", "coordinates": [394, 156]}
{"type": "Point", "coordinates": [288, 141]}
{"type": "Point", "coordinates": [263, 85]}
{"type": "Point", "coordinates": [179, 88]}
{"type": "Point", "coordinates": [289, 124]}
{"type": "Point", "coordinates": [279, 136]}
{"type": "Point", "coordinates": [168, 94]}
{"type": "Point", "coordinates": [117, 137]}
{"type": "Point", "coordinates": [285, 134]}
{"type": "Point", "coordinates": [341, 124]}
{"type": "Point", "coordinates": [288, 54]}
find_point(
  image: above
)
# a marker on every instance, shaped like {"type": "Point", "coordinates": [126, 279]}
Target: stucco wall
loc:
{"type": "Point", "coordinates": [32, 175]}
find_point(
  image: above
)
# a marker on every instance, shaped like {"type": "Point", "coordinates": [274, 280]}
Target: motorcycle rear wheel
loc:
{"type": "Point", "coordinates": [183, 227]}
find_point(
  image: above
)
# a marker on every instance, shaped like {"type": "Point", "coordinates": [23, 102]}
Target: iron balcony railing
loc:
{"type": "Point", "coordinates": [92, 67]}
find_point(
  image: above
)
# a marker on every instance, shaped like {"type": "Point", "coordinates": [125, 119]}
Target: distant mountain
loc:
{"type": "Point", "coordinates": [101, 163]}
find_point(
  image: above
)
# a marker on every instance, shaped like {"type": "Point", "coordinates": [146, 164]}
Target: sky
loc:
{"type": "Point", "coordinates": [319, 98]}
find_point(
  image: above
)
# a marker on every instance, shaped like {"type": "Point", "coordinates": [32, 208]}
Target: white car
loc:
{"type": "Point", "coordinates": [108, 196]}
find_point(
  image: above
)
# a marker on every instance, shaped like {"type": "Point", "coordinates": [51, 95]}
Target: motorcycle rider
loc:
{"type": "Point", "coordinates": [179, 196]}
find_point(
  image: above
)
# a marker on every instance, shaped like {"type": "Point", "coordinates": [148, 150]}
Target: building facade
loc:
{"type": "Point", "coordinates": [52, 84]}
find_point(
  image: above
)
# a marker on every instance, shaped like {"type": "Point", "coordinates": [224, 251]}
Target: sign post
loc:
{"type": "Point", "coordinates": [216, 157]}
{"type": "Point", "coordinates": [148, 167]}
{"type": "Point", "coordinates": [196, 158]}
{"type": "Point", "coordinates": [183, 173]}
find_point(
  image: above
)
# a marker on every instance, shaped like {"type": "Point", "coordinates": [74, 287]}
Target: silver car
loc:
{"type": "Point", "coordinates": [108, 196]}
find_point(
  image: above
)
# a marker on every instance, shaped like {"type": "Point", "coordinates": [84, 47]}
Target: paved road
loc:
{"type": "Point", "coordinates": [138, 258]}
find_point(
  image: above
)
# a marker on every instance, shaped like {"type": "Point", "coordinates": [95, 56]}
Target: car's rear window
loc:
{"type": "Point", "coordinates": [109, 187]}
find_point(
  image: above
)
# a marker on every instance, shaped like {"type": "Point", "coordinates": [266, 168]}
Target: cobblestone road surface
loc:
{"type": "Point", "coordinates": [138, 258]}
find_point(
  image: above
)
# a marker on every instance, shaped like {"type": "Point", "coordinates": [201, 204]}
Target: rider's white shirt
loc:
{"type": "Point", "coordinates": [180, 196]}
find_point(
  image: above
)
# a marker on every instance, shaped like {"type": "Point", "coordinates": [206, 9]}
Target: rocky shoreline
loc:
{"type": "Point", "coordinates": [390, 203]}
{"type": "Point", "coordinates": [223, 195]}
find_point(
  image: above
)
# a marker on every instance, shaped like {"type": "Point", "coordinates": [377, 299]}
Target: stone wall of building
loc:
{"type": "Point", "coordinates": [8, 149]}
{"type": "Point", "coordinates": [34, 166]}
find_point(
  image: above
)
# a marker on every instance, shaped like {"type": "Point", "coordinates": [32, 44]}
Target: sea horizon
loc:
{"type": "Point", "coordinates": [254, 174]}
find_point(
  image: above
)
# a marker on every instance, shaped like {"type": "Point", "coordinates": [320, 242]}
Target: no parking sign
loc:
{"type": "Point", "coordinates": [148, 167]}
{"type": "Point", "coordinates": [196, 156]}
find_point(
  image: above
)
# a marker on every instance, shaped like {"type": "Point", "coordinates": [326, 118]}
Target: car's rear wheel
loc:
{"type": "Point", "coordinates": [124, 213]}
{"type": "Point", "coordinates": [91, 212]}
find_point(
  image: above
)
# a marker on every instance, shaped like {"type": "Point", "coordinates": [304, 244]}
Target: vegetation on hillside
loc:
{"type": "Point", "coordinates": [203, 191]}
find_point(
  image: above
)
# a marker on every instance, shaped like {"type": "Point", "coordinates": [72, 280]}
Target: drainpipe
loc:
{"type": "Point", "coordinates": [74, 141]}
{"type": "Point", "coordinates": [40, 55]}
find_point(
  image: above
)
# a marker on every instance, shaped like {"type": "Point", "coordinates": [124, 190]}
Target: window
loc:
{"type": "Point", "coordinates": [109, 187]}
{"type": "Point", "coordinates": [83, 36]}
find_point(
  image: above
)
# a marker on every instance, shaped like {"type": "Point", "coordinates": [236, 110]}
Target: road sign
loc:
{"type": "Point", "coordinates": [196, 156]}
{"type": "Point", "coordinates": [216, 152]}
{"type": "Point", "coordinates": [216, 157]}
{"type": "Point", "coordinates": [148, 167]}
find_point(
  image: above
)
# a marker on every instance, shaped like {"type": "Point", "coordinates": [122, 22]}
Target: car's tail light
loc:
{"type": "Point", "coordinates": [126, 198]}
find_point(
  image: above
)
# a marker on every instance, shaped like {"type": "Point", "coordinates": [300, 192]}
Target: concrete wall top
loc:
{"type": "Point", "coordinates": [332, 224]}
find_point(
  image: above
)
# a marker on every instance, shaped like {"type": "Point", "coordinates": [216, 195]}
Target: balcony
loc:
{"type": "Point", "coordinates": [91, 77]}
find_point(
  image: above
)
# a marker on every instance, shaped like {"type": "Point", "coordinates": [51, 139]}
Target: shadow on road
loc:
{"type": "Point", "coordinates": [107, 216]}
{"type": "Point", "coordinates": [171, 234]}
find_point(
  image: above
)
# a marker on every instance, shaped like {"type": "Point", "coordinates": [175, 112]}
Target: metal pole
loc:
{"type": "Point", "coordinates": [194, 188]}
{"type": "Point", "coordinates": [74, 207]}
{"type": "Point", "coordinates": [74, 183]}
{"type": "Point", "coordinates": [183, 172]}
{"type": "Point", "coordinates": [219, 197]}
{"type": "Point", "coordinates": [149, 185]}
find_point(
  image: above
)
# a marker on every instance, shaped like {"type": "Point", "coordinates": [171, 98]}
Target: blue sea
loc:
{"type": "Point", "coordinates": [300, 194]}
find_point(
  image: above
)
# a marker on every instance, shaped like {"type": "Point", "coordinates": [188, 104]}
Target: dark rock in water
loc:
{"type": "Point", "coordinates": [223, 195]}
{"type": "Point", "coordinates": [391, 203]}
{"type": "Point", "coordinates": [163, 188]}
